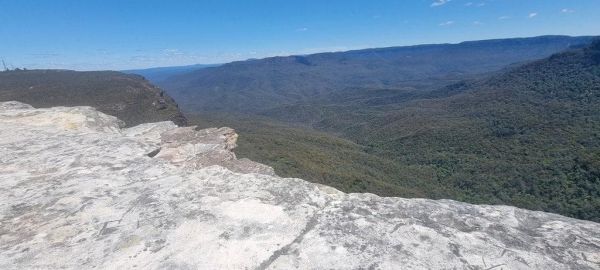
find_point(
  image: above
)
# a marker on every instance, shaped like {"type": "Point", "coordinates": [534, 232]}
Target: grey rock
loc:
{"type": "Point", "coordinates": [79, 192]}
{"type": "Point", "coordinates": [14, 105]}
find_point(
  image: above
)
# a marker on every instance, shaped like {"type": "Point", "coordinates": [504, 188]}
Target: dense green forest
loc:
{"type": "Point", "coordinates": [316, 156]}
{"type": "Point", "coordinates": [528, 136]}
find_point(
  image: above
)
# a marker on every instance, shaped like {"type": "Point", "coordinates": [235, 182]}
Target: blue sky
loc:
{"type": "Point", "coordinates": [122, 34]}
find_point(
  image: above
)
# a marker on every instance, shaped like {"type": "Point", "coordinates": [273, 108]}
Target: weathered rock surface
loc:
{"type": "Point", "coordinates": [78, 192]}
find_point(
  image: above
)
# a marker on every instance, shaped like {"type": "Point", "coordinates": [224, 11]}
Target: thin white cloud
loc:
{"type": "Point", "coordinates": [567, 10]}
{"type": "Point", "coordinates": [447, 23]}
{"type": "Point", "coordinates": [503, 17]}
{"type": "Point", "coordinates": [471, 4]}
{"type": "Point", "coordinates": [477, 23]}
{"type": "Point", "coordinates": [44, 55]}
{"type": "Point", "coordinates": [303, 29]}
{"type": "Point", "coordinates": [173, 52]}
{"type": "Point", "coordinates": [532, 15]}
{"type": "Point", "coordinates": [438, 3]}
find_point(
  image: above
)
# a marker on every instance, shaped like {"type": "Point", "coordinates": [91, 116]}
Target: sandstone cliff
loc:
{"type": "Point", "coordinates": [78, 192]}
{"type": "Point", "coordinates": [129, 97]}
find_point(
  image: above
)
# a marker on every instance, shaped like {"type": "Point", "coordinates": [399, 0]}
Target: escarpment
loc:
{"type": "Point", "coordinates": [79, 192]}
{"type": "Point", "coordinates": [129, 97]}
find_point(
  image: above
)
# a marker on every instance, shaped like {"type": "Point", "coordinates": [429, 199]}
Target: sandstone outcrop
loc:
{"type": "Point", "coordinates": [79, 192]}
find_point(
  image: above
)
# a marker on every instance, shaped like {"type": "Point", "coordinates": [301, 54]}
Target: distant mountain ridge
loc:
{"type": "Point", "coordinates": [258, 85]}
{"type": "Point", "coordinates": [129, 97]}
{"type": "Point", "coordinates": [159, 74]}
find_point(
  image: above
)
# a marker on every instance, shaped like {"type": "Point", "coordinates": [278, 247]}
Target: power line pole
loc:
{"type": "Point", "coordinates": [4, 64]}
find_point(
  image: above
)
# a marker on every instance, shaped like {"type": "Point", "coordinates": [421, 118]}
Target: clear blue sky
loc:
{"type": "Point", "coordinates": [120, 34]}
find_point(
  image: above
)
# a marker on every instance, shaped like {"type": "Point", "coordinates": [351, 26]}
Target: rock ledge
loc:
{"type": "Point", "coordinates": [79, 192]}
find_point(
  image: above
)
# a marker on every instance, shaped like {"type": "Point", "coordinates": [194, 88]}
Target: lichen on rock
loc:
{"type": "Point", "coordinates": [79, 192]}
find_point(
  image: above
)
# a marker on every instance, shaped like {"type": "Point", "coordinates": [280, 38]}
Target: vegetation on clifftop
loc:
{"type": "Point", "coordinates": [129, 97]}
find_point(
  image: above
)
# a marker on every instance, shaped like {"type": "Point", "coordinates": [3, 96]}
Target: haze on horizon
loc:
{"type": "Point", "coordinates": [99, 35]}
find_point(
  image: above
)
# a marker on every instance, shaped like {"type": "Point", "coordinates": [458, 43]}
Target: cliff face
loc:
{"type": "Point", "coordinates": [79, 192]}
{"type": "Point", "coordinates": [129, 97]}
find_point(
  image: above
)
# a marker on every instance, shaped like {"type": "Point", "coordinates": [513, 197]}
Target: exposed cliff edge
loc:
{"type": "Point", "coordinates": [79, 192]}
{"type": "Point", "coordinates": [129, 97]}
